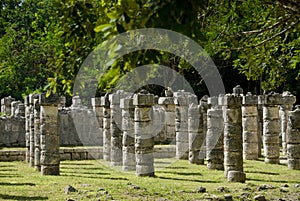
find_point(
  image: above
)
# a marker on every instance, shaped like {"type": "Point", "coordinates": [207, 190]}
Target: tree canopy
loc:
{"type": "Point", "coordinates": [254, 43]}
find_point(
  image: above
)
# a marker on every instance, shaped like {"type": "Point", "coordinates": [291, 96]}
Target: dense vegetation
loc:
{"type": "Point", "coordinates": [254, 43]}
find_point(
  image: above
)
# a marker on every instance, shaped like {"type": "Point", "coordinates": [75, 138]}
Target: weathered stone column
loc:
{"type": "Point", "coordinates": [203, 111]}
{"type": "Point", "coordinates": [50, 158]}
{"type": "Point", "coordinates": [20, 110]}
{"type": "Point", "coordinates": [271, 127]}
{"type": "Point", "coordinates": [215, 135]}
{"type": "Point", "coordinates": [6, 105]}
{"type": "Point", "coordinates": [126, 104]}
{"type": "Point", "coordinates": [260, 123]}
{"type": "Point", "coordinates": [195, 129]}
{"type": "Point", "coordinates": [14, 105]}
{"type": "Point", "coordinates": [37, 134]}
{"type": "Point", "coordinates": [144, 137]}
{"type": "Point", "coordinates": [167, 103]}
{"type": "Point", "coordinates": [98, 109]}
{"type": "Point", "coordinates": [115, 129]}
{"type": "Point", "coordinates": [287, 105]}
{"type": "Point", "coordinates": [250, 127]}
{"type": "Point", "coordinates": [181, 124]}
{"type": "Point", "coordinates": [106, 127]}
{"type": "Point", "coordinates": [293, 139]}
{"type": "Point", "coordinates": [32, 98]}
{"type": "Point", "coordinates": [233, 147]}
{"type": "Point", "coordinates": [27, 128]}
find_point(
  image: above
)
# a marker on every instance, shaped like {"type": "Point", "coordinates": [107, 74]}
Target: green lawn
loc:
{"type": "Point", "coordinates": [95, 180]}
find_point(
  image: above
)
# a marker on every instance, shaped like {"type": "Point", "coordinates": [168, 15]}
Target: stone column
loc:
{"type": "Point", "coordinates": [6, 105]}
{"type": "Point", "coordinates": [181, 124]}
{"type": "Point", "coordinates": [115, 129]}
{"type": "Point", "coordinates": [20, 110]}
{"type": "Point", "coordinates": [144, 137]}
{"type": "Point", "coordinates": [260, 123]}
{"type": "Point", "coordinates": [167, 103]}
{"type": "Point", "coordinates": [250, 127]}
{"type": "Point", "coordinates": [32, 98]}
{"type": "Point", "coordinates": [14, 105]}
{"type": "Point", "coordinates": [233, 148]}
{"type": "Point", "coordinates": [106, 127]}
{"type": "Point", "coordinates": [293, 139]}
{"type": "Point", "coordinates": [288, 102]}
{"type": "Point", "coordinates": [195, 130]}
{"type": "Point", "coordinates": [37, 134]}
{"type": "Point", "coordinates": [98, 109]}
{"type": "Point", "coordinates": [126, 104]}
{"type": "Point", "coordinates": [27, 128]}
{"type": "Point", "coordinates": [271, 127]}
{"type": "Point", "coordinates": [215, 135]}
{"type": "Point", "coordinates": [203, 111]}
{"type": "Point", "coordinates": [50, 158]}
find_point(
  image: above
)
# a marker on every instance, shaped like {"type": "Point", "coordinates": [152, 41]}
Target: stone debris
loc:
{"type": "Point", "coordinates": [70, 189]}
{"type": "Point", "coordinates": [201, 189]}
{"type": "Point", "coordinates": [259, 198]}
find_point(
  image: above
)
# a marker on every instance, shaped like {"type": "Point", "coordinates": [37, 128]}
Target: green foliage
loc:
{"type": "Point", "coordinates": [43, 43]}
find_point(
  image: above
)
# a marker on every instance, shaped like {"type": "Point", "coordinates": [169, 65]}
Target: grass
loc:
{"type": "Point", "coordinates": [95, 180]}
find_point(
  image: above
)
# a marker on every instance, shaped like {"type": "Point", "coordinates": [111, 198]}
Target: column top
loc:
{"type": "Point", "coordinates": [288, 98]}
{"type": "Point", "coordinates": [231, 100]}
{"type": "Point", "coordinates": [7, 100]}
{"type": "Point", "coordinates": [250, 99]}
{"type": "Point", "coordinates": [271, 99]}
{"type": "Point", "coordinates": [143, 98]}
{"type": "Point", "coordinates": [51, 100]}
{"type": "Point", "coordinates": [96, 102]}
{"type": "Point", "coordinates": [126, 103]}
{"type": "Point", "coordinates": [238, 90]}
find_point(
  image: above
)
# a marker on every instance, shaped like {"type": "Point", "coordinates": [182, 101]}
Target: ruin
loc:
{"type": "Point", "coordinates": [219, 131]}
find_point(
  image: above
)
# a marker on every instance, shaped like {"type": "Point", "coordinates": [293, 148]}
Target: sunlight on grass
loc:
{"type": "Point", "coordinates": [95, 180]}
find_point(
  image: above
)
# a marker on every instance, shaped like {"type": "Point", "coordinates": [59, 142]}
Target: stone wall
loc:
{"type": "Point", "coordinates": [12, 127]}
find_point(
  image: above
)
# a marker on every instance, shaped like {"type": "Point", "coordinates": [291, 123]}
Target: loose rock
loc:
{"type": "Point", "coordinates": [70, 189]}
{"type": "Point", "coordinates": [259, 198]}
{"type": "Point", "coordinates": [284, 190]}
{"type": "Point", "coordinates": [201, 189]}
{"type": "Point", "coordinates": [228, 197]}
{"type": "Point", "coordinates": [223, 189]}
{"type": "Point", "coordinates": [265, 187]}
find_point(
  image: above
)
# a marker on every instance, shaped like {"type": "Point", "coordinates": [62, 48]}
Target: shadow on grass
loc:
{"type": "Point", "coordinates": [16, 184]}
{"type": "Point", "coordinates": [78, 164]}
{"type": "Point", "coordinates": [189, 180]}
{"type": "Point", "coordinates": [17, 197]}
{"type": "Point", "coordinates": [182, 173]}
{"type": "Point", "coordinates": [10, 175]}
{"type": "Point", "coordinates": [82, 168]}
{"type": "Point", "coordinates": [7, 170]}
{"type": "Point", "coordinates": [95, 177]}
{"type": "Point", "coordinates": [88, 173]}
{"type": "Point", "coordinates": [176, 167]}
{"type": "Point", "coordinates": [272, 181]}
{"type": "Point", "coordinates": [261, 172]}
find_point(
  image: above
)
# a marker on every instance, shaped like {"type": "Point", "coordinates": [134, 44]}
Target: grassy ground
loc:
{"type": "Point", "coordinates": [95, 180]}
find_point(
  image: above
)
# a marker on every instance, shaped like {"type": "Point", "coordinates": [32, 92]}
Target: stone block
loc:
{"type": "Point", "coordinates": [53, 99]}
{"type": "Point", "coordinates": [143, 99]}
{"type": "Point", "coordinates": [250, 99]}
{"type": "Point", "coordinates": [273, 99]}
{"type": "Point", "coordinates": [232, 101]}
